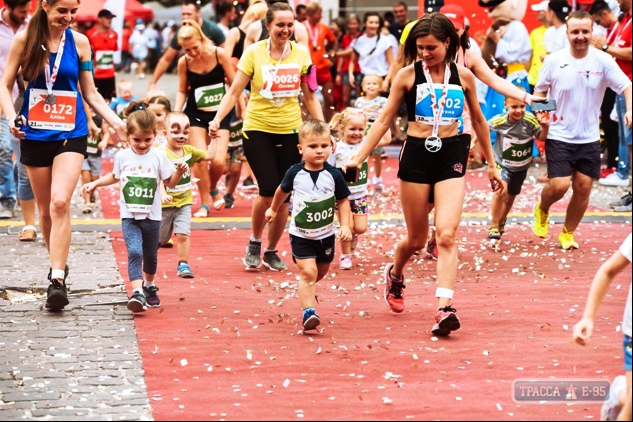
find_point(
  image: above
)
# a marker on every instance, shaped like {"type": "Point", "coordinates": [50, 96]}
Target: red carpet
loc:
{"type": "Point", "coordinates": [226, 345]}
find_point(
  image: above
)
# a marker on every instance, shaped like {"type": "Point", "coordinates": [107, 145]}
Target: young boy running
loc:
{"type": "Point", "coordinates": [177, 201]}
{"type": "Point", "coordinates": [515, 131]}
{"type": "Point", "coordinates": [318, 187]}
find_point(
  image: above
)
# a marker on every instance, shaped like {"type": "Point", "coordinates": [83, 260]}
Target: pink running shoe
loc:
{"type": "Point", "coordinates": [445, 322]}
{"type": "Point", "coordinates": [394, 291]}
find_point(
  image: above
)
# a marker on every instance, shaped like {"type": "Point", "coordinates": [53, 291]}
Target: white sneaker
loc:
{"type": "Point", "coordinates": [345, 262]}
{"type": "Point", "coordinates": [624, 208]}
{"type": "Point", "coordinates": [611, 407]}
{"type": "Point", "coordinates": [614, 180]}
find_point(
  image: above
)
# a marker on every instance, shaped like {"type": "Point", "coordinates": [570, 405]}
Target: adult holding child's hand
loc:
{"type": "Point", "coordinates": [57, 62]}
{"type": "Point", "coordinates": [278, 70]}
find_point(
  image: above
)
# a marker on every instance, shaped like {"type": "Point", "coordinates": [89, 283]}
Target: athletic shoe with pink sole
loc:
{"type": "Point", "coordinates": [445, 322]}
{"type": "Point", "coordinates": [394, 291]}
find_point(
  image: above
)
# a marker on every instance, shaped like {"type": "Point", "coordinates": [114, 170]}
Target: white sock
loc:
{"type": "Point", "coordinates": [443, 292]}
{"type": "Point", "coordinates": [148, 283]}
{"type": "Point", "coordinates": [57, 275]}
{"type": "Point", "coordinates": [269, 250]}
{"type": "Point", "coordinates": [256, 240]}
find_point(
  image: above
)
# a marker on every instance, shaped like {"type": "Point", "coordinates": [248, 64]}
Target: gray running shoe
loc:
{"type": "Point", "coordinates": [273, 262]}
{"type": "Point", "coordinates": [253, 257]}
{"type": "Point", "coordinates": [624, 208]}
{"type": "Point", "coordinates": [622, 202]}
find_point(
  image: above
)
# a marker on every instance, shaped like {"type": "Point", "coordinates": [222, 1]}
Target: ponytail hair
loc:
{"type": "Point", "coordinates": [190, 30]}
{"type": "Point", "coordinates": [139, 118]}
{"type": "Point", "coordinates": [36, 49]}
{"type": "Point", "coordinates": [162, 100]}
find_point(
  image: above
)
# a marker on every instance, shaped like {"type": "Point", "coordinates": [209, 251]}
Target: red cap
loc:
{"type": "Point", "coordinates": [455, 13]}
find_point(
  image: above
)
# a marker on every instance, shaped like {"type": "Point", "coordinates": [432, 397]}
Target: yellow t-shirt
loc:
{"type": "Point", "coordinates": [182, 191]}
{"type": "Point", "coordinates": [406, 30]}
{"type": "Point", "coordinates": [278, 111]}
{"type": "Point", "coordinates": [537, 39]}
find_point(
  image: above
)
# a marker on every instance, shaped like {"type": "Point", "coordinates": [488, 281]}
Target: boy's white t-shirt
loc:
{"type": "Point", "coordinates": [626, 250]}
{"type": "Point", "coordinates": [578, 86]}
{"type": "Point", "coordinates": [140, 177]}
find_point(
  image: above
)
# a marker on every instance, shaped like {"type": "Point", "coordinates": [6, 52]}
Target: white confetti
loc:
{"type": "Point", "coordinates": [183, 362]}
{"type": "Point", "coordinates": [499, 407]}
{"type": "Point", "coordinates": [286, 383]}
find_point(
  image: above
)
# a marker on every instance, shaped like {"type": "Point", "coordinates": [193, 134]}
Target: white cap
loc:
{"type": "Point", "coordinates": [540, 7]}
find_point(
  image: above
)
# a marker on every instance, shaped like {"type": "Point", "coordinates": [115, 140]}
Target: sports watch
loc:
{"type": "Point", "coordinates": [605, 47]}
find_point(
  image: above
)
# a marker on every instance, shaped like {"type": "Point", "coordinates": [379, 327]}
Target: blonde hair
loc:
{"type": "Point", "coordinates": [341, 120]}
{"type": "Point", "coordinates": [366, 78]}
{"type": "Point", "coordinates": [313, 127]}
{"type": "Point", "coordinates": [190, 30]}
{"type": "Point", "coordinates": [255, 12]}
{"type": "Point", "coordinates": [313, 7]}
{"type": "Point", "coordinates": [139, 118]}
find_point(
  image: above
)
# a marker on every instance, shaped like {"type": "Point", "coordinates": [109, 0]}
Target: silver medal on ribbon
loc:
{"type": "Point", "coordinates": [433, 144]}
{"type": "Point", "coordinates": [50, 99]}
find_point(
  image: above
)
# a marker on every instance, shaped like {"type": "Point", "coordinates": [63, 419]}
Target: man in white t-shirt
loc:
{"type": "Point", "coordinates": [555, 36]}
{"type": "Point", "coordinates": [576, 78]}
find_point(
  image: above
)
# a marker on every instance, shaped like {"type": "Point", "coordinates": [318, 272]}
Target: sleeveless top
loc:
{"type": "Point", "coordinates": [264, 34]}
{"type": "Point", "coordinates": [418, 99]}
{"type": "Point", "coordinates": [238, 50]}
{"type": "Point", "coordinates": [67, 80]}
{"type": "Point", "coordinates": [203, 86]}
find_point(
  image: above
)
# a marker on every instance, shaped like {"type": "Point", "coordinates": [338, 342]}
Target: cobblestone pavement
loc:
{"type": "Point", "coordinates": [80, 364]}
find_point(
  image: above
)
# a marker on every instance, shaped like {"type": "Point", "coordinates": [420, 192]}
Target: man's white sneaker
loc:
{"type": "Point", "coordinates": [614, 180]}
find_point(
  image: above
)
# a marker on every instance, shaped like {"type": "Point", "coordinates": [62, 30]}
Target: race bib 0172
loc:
{"type": "Point", "coordinates": [59, 116]}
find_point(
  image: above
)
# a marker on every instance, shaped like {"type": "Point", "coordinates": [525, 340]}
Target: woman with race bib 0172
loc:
{"type": "Point", "coordinates": [201, 74]}
{"type": "Point", "coordinates": [278, 70]}
{"type": "Point", "coordinates": [431, 156]}
{"type": "Point", "coordinates": [52, 125]}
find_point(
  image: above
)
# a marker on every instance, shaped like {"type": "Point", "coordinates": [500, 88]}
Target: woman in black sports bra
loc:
{"type": "Point", "coordinates": [431, 156]}
{"type": "Point", "coordinates": [201, 87]}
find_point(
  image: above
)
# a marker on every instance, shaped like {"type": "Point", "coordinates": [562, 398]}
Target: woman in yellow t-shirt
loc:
{"type": "Point", "coordinates": [276, 69]}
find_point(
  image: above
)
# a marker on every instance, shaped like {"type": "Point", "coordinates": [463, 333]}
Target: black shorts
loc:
{"type": "Point", "coordinates": [42, 153]}
{"type": "Point", "coordinates": [513, 178]}
{"type": "Point", "coordinates": [106, 87]}
{"type": "Point", "coordinates": [464, 139]}
{"type": "Point", "coordinates": [203, 118]}
{"type": "Point", "coordinates": [419, 165]}
{"type": "Point", "coordinates": [270, 155]}
{"type": "Point", "coordinates": [564, 158]}
{"type": "Point", "coordinates": [320, 250]}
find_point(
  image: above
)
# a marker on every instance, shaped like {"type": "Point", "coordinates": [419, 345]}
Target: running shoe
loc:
{"type": "Point", "coordinates": [310, 319]}
{"type": "Point", "coordinates": [540, 221]}
{"type": "Point", "coordinates": [137, 303]}
{"type": "Point", "coordinates": [57, 293]}
{"type": "Point", "coordinates": [345, 262]}
{"type": "Point", "coordinates": [168, 244]}
{"type": "Point", "coordinates": [611, 406]}
{"type": "Point", "coordinates": [229, 200]}
{"type": "Point", "coordinates": [394, 291]}
{"type": "Point", "coordinates": [184, 271]}
{"type": "Point", "coordinates": [151, 296]}
{"type": "Point", "coordinates": [354, 242]}
{"type": "Point", "coordinates": [494, 233]}
{"type": "Point", "coordinates": [614, 180]}
{"type": "Point", "coordinates": [622, 202]}
{"type": "Point", "coordinates": [253, 257]}
{"type": "Point", "coordinates": [566, 240]}
{"type": "Point", "coordinates": [273, 262]}
{"type": "Point", "coordinates": [502, 227]}
{"type": "Point", "coordinates": [624, 208]}
{"type": "Point", "coordinates": [606, 172]}
{"type": "Point", "coordinates": [248, 183]}
{"type": "Point", "coordinates": [445, 322]}
{"type": "Point", "coordinates": [432, 251]}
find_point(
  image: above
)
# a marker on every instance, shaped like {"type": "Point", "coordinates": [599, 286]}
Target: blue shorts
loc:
{"type": "Point", "coordinates": [627, 353]}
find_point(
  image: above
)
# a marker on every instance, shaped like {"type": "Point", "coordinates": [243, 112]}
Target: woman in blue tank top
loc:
{"type": "Point", "coordinates": [435, 91]}
{"type": "Point", "coordinates": [52, 125]}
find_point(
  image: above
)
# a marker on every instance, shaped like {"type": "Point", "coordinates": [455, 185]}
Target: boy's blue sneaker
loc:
{"type": "Point", "coordinates": [310, 319]}
{"type": "Point", "coordinates": [184, 271]}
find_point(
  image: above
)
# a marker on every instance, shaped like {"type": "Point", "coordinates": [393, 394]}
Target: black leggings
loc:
{"type": "Point", "coordinates": [270, 155]}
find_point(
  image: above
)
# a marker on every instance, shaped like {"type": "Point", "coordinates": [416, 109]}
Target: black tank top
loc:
{"type": "Point", "coordinates": [411, 96]}
{"type": "Point", "coordinates": [239, 46]}
{"type": "Point", "coordinates": [265, 32]}
{"type": "Point", "coordinates": [197, 80]}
